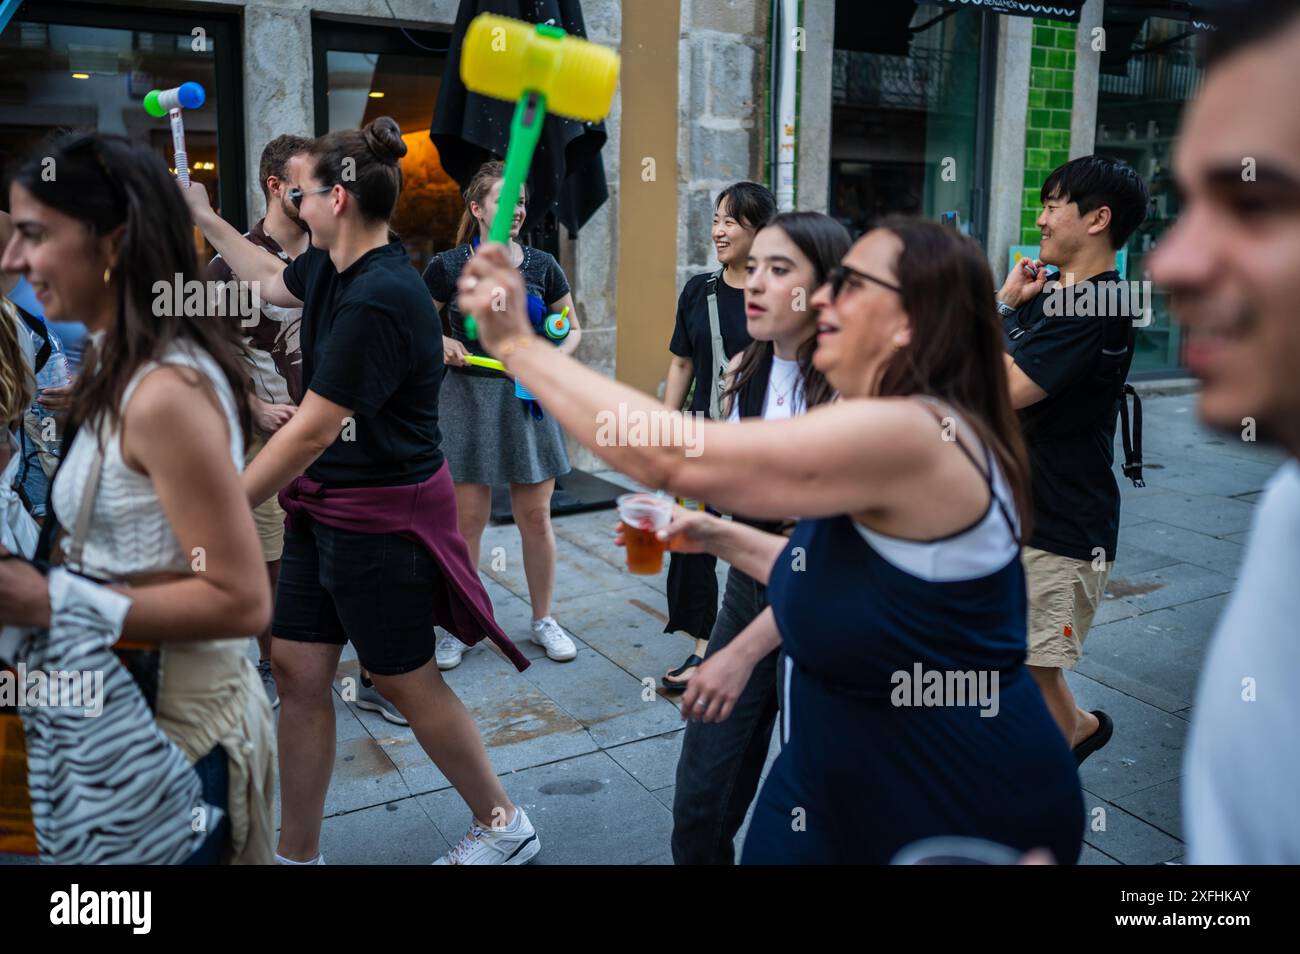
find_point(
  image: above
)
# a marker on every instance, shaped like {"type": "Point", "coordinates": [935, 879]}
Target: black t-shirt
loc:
{"type": "Point", "coordinates": [542, 275]}
{"type": "Point", "coordinates": [692, 337]}
{"type": "Point", "coordinates": [1058, 342]}
{"type": "Point", "coordinates": [371, 342]}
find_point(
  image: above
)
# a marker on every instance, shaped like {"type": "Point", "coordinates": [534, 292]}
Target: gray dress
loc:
{"type": "Point", "coordinates": [488, 435]}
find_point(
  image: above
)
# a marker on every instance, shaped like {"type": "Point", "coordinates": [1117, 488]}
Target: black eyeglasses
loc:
{"type": "Point", "coordinates": [295, 195]}
{"type": "Point", "coordinates": [840, 274]}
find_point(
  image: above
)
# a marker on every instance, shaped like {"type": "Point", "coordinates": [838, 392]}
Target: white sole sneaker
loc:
{"type": "Point", "coordinates": [561, 656]}
{"type": "Point", "coordinates": [486, 847]}
{"type": "Point", "coordinates": [450, 660]}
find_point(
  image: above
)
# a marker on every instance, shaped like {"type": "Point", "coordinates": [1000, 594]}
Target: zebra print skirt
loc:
{"type": "Point", "coordinates": [107, 786]}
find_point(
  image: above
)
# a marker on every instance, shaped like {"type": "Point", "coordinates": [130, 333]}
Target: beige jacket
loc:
{"type": "Point", "coordinates": [209, 694]}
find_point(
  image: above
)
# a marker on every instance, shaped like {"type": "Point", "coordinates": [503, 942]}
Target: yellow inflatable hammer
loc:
{"type": "Point", "coordinates": [543, 68]}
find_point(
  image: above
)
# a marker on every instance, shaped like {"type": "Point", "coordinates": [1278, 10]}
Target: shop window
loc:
{"type": "Point", "coordinates": [364, 72]}
{"type": "Point", "coordinates": [66, 65]}
{"type": "Point", "coordinates": [1149, 72]}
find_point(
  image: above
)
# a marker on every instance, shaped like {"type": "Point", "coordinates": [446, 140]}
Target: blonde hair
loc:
{"type": "Point", "coordinates": [16, 380]}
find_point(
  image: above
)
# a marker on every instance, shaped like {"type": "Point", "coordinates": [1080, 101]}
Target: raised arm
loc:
{"type": "Point", "coordinates": [248, 261]}
{"type": "Point", "coordinates": [848, 457]}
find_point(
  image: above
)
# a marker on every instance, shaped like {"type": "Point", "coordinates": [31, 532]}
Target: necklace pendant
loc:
{"type": "Point", "coordinates": [780, 400]}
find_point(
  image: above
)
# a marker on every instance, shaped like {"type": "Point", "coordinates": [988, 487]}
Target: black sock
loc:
{"type": "Point", "coordinates": [365, 681]}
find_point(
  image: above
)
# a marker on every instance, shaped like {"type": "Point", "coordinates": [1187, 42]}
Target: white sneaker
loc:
{"type": "Point", "coordinates": [548, 634]}
{"type": "Point", "coordinates": [449, 651]}
{"type": "Point", "coordinates": [515, 845]}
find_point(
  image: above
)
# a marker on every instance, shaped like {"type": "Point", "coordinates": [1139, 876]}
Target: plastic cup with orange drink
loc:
{"type": "Point", "coordinates": [643, 516]}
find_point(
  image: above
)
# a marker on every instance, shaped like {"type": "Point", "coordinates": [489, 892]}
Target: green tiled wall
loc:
{"type": "Point", "coordinates": [1047, 124]}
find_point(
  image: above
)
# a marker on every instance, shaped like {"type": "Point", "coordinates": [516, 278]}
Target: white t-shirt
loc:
{"type": "Point", "coordinates": [1241, 791]}
{"type": "Point", "coordinates": [784, 396]}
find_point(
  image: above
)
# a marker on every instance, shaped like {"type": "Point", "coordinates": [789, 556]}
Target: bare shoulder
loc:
{"type": "Point", "coordinates": [903, 424]}
{"type": "Point", "coordinates": [172, 405]}
{"type": "Point", "coordinates": [167, 393]}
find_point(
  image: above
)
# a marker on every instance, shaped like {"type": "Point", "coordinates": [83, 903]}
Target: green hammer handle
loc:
{"type": "Point", "coordinates": [525, 130]}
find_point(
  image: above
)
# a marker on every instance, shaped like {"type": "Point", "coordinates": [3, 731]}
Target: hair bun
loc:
{"type": "Point", "coordinates": [384, 137]}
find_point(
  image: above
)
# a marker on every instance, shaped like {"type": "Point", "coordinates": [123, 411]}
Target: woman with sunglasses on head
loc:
{"type": "Point", "coordinates": [372, 554]}
{"type": "Point", "coordinates": [148, 491]}
{"type": "Point", "coordinates": [772, 378]}
{"type": "Point", "coordinates": [904, 567]}
{"type": "Point", "coordinates": [492, 438]}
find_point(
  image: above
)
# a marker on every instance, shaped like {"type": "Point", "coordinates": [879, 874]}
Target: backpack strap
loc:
{"type": "Point", "coordinates": [38, 328]}
{"type": "Point", "coordinates": [1114, 349]}
{"type": "Point", "coordinates": [1133, 445]}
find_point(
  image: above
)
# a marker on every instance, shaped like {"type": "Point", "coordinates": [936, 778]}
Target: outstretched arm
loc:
{"type": "Point", "coordinates": [848, 457]}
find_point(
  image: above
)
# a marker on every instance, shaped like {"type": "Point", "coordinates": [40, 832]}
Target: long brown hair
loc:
{"type": "Point", "coordinates": [106, 182]}
{"type": "Point", "coordinates": [477, 191]}
{"type": "Point", "coordinates": [823, 242]}
{"type": "Point", "coordinates": [956, 353]}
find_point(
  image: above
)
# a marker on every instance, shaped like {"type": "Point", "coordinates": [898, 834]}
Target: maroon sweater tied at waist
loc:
{"type": "Point", "coordinates": [424, 512]}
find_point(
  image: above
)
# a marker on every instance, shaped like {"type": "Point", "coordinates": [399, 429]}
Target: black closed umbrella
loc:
{"type": "Point", "coordinates": [468, 129]}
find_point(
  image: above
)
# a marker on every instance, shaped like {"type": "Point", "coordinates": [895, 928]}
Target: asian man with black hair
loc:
{"type": "Point", "coordinates": [1069, 336]}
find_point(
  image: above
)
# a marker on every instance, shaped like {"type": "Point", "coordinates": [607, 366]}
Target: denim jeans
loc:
{"type": "Point", "coordinates": [214, 771]}
{"type": "Point", "coordinates": [34, 484]}
{"type": "Point", "coordinates": [720, 764]}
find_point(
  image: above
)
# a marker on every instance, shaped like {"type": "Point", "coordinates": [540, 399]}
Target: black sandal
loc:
{"type": "Point", "coordinates": [691, 662]}
{"type": "Point", "coordinates": [1098, 740]}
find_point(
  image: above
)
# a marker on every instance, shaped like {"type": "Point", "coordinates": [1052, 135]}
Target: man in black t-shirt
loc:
{"type": "Point", "coordinates": [739, 211]}
{"type": "Point", "coordinates": [1069, 338]}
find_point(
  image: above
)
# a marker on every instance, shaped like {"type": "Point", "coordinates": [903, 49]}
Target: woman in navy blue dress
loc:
{"type": "Point", "coordinates": [899, 602]}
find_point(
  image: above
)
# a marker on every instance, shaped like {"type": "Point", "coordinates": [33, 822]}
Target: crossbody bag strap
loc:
{"type": "Point", "coordinates": [81, 529]}
{"type": "Point", "coordinates": [719, 351]}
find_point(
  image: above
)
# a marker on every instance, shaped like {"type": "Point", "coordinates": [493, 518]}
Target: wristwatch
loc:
{"type": "Point", "coordinates": [1005, 310]}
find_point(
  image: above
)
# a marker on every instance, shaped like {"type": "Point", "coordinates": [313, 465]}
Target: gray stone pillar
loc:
{"type": "Point", "coordinates": [721, 79]}
{"type": "Point", "coordinates": [1007, 165]}
{"type": "Point", "coordinates": [814, 133]}
{"type": "Point", "coordinates": [1087, 69]}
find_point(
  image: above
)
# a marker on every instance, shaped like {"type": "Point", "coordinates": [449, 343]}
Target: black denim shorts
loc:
{"type": "Point", "coordinates": [374, 589]}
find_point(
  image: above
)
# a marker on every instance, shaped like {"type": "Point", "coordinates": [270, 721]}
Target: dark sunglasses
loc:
{"type": "Point", "coordinates": [840, 274]}
{"type": "Point", "coordinates": [295, 195]}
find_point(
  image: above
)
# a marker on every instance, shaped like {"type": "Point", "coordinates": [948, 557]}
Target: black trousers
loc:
{"type": "Point", "coordinates": [720, 764]}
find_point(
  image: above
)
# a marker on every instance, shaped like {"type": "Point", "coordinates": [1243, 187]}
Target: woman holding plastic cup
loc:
{"type": "Point", "coordinates": [905, 564]}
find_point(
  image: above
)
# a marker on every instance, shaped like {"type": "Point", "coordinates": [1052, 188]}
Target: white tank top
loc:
{"type": "Point", "coordinates": [979, 550]}
{"type": "Point", "coordinates": [784, 396]}
{"type": "Point", "coordinates": [129, 533]}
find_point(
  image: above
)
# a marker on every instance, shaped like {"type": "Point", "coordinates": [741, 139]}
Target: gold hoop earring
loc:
{"type": "Point", "coordinates": [108, 275]}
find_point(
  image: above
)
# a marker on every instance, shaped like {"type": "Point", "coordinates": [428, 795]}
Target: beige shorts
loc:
{"type": "Point", "coordinates": [268, 517]}
{"type": "Point", "coordinates": [1064, 594]}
